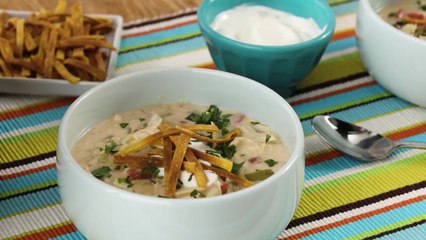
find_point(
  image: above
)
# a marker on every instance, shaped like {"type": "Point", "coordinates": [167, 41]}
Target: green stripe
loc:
{"type": "Point", "coordinates": [344, 105]}
{"type": "Point", "coordinates": [162, 41]}
{"type": "Point", "coordinates": [334, 68]}
{"type": "Point", "coordinates": [28, 188]}
{"type": "Point", "coordinates": [28, 145]}
{"type": "Point", "coordinates": [388, 227]}
{"type": "Point", "coordinates": [352, 188]}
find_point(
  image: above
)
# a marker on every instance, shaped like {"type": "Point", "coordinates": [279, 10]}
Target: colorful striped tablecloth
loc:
{"type": "Point", "coordinates": [343, 198]}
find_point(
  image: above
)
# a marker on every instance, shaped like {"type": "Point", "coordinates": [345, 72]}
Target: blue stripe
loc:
{"type": "Point", "coordinates": [340, 44]}
{"type": "Point", "coordinates": [71, 236]}
{"type": "Point", "coordinates": [343, 162]}
{"type": "Point", "coordinates": [158, 36]}
{"type": "Point", "coordinates": [29, 202]}
{"type": "Point", "coordinates": [160, 51]}
{"type": "Point", "coordinates": [417, 232]}
{"type": "Point", "coordinates": [377, 221]}
{"type": "Point", "coordinates": [27, 181]}
{"type": "Point", "coordinates": [345, 8]}
{"type": "Point", "coordinates": [369, 110]}
{"type": "Point", "coordinates": [32, 120]}
{"type": "Point", "coordinates": [339, 99]}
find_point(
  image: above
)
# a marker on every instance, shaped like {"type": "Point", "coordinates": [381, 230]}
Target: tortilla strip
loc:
{"type": "Point", "coordinates": [63, 71]}
{"type": "Point", "coordinates": [26, 63]}
{"type": "Point", "coordinates": [168, 156]}
{"type": "Point", "coordinates": [200, 175]}
{"type": "Point", "coordinates": [6, 50]}
{"type": "Point", "coordinates": [96, 73]}
{"type": "Point", "coordinates": [214, 160]}
{"type": "Point", "coordinates": [156, 152]}
{"type": "Point", "coordinates": [60, 7]}
{"type": "Point", "coordinates": [139, 161]}
{"type": "Point", "coordinates": [206, 139]}
{"type": "Point", "coordinates": [20, 36]}
{"type": "Point", "coordinates": [176, 164]}
{"type": "Point", "coordinates": [50, 53]}
{"type": "Point", "coordinates": [234, 177]}
{"type": "Point", "coordinates": [29, 42]}
{"type": "Point", "coordinates": [189, 166]}
{"type": "Point", "coordinates": [82, 41]}
{"type": "Point", "coordinates": [5, 69]}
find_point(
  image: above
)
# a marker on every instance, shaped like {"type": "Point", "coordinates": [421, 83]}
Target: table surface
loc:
{"type": "Point", "coordinates": [342, 198]}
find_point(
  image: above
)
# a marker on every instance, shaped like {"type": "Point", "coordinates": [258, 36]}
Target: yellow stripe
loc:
{"type": "Point", "coordinates": [334, 68]}
{"type": "Point", "coordinates": [356, 187]}
{"type": "Point", "coordinates": [28, 145]}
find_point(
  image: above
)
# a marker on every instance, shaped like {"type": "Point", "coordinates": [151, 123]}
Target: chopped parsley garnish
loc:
{"type": "Point", "coordinates": [190, 177]}
{"type": "Point", "coordinates": [213, 114]}
{"type": "Point", "coordinates": [236, 167]}
{"type": "Point", "coordinates": [196, 194]}
{"type": "Point", "coordinates": [150, 172]}
{"type": "Point", "coordinates": [267, 138]}
{"type": "Point", "coordinates": [226, 150]}
{"type": "Point", "coordinates": [102, 172]}
{"type": "Point", "coordinates": [271, 162]}
{"type": "Point", "coordinates": [124, 124]}
{"type": "Point", "coordinates": [126, 180]}
{"type": "Point", "coordinates": [110, 147]}
{"type": "Point", "coordinates": [392, 14]}
{"type": "Point", "coordinates": [214, 152]}
{"type": "Point", "coordinates": [179, 184]}
{"type": "Point", "coordinates": [255, 122]}
{"type": "Point", "coordinates": [141, 119]}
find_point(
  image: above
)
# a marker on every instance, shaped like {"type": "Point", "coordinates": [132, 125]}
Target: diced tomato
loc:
{"type": "Point", "coordinates": [415, 15]}
{"type": "Point", "coordinates": [254, 160]}
{"type": "Point", "coordinates": [134, 173]}
{"type": "Point", "coordinates": [224, 187]}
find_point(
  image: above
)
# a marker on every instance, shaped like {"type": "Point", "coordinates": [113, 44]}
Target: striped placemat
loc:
{"type": "Point", "coordinates": [342, 199]}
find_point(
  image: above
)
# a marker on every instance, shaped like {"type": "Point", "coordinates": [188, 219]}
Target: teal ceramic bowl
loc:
{"type": "Point", "coordinates": [278, 67]}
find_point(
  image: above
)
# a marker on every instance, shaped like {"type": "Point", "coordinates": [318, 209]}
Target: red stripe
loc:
{"type": "Point", "coordinates": [50, 233]}
{"type": "Point", "coordinates": [331, 93]}
{"type": "Point", "coordinates": [356, 218]}
{"type": "Point", "coordinates": [36, 108]}
{"type": "Point", "coordinates": [29, 171]}
{"type": "Point", "coordinates": [343, 34]}
{"type": "Point", "coordinates": [333, 153]}
{"type": "Point", "coordinates": [159, 29]}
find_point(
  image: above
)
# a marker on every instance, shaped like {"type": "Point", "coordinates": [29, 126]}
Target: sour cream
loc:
{"type": "Point", "coordinates": [261, 25]}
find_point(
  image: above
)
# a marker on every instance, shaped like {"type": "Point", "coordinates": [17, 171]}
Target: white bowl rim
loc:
{"type": "Point", "coordinates": [299, 144]}
{"type": "Point", "coordinates": [387, 26]}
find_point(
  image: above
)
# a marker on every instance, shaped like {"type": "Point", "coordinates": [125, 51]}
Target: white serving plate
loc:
{"type": "Point", "coordinates": [59, 87]}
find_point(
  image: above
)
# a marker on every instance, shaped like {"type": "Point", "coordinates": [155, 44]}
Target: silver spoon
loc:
{"type": "Point", "coordinates": [356, 141]}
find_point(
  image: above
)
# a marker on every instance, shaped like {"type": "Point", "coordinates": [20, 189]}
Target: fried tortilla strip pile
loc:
{"type": "Point", "coordinates": [176, 154]}
{"type": "Point", "coordinates": [55, 44]}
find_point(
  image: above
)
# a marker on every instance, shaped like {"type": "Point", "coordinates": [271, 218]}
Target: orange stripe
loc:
{"type": "Point", "coordinates": [356, 218]}
{"type": "Point", "coordinates": [331, 93]}
{"type": "Point", "coordinates": [343, 34]}
{"type": "Point", "coordinates": [29, 171]}
{"type": "Point", "coordinates": [333, 153]}
{"type": "Point", "coordinates": [159, 29]}
{"type": "Point", "coordinates": [36, 108]}
{"type": "Point", "coordinates": [50, 233]}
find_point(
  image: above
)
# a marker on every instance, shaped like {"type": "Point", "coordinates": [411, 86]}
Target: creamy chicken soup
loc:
{"type": "Point", "coordinates": [129, 150]}
{"type": "Point", "coordinates": [407, 15]}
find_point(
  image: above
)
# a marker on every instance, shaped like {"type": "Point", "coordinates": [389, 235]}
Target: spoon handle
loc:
{"type": "Point", "coordinates": [421, 145]}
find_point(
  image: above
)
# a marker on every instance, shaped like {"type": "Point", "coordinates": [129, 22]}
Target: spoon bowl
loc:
{"type": "Point", "coordinates": [357, 141]}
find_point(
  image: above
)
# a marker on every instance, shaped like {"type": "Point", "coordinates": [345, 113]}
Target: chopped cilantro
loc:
{"type": "Point", "coordinates": [236, 167]}
{"type": "Point", "coordinates": [213, 114]}
{"type": "Point", "coordinates": [195, 193]}
{"type": "Point", "coordinates": [150, 172]}
{"type": "Point", "coordinates": [126, 180]}
{"type": "Point", "coordinates": [124, 124]}
{"type": "Point", "coordinates": [255, 122]}
{"type": "Point", "coordinates": [226, 150]}
{"type": "Point", "coordinates": [214, 152]}
{"type": "Point", "coordinates": [161, 196]}
{"type": "Point", "coordinates": [190, 177]}
{"type": "Point", "coordinates": [392, 14]}
{"type": "Point", "coordinates": [271, 162]}
{"type": "Point", "coordinates": [109, 147]}
{"type": "Point", "coordinates": [267, 138]}
{"type": "Point", "coordinates": [259, 175]}
{"type": "Point", "coordinates": [102, 172]}
{"type": "Point", "coordinates": [179, 184]}
{"type": "Point", "coordinates": [141, 119]}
